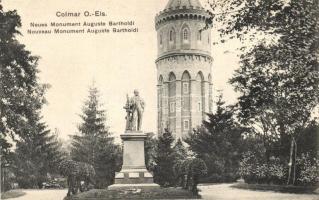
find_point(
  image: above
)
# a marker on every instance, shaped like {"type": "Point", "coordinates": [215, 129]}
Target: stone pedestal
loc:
{"type": "Point", "coordinates": [134, 173]}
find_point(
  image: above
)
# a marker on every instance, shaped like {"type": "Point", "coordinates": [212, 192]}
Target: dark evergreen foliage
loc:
{"type": "Point", "coordinates": [150, 148]}
{"type": "Point", "coordinates": [165, 160]}
{"type": "Point", "coordinates": [219, 143]}
{"type": "Point", "coordinates": [93, 143]}
{"type": "Point", "coordinates": [37, 155]}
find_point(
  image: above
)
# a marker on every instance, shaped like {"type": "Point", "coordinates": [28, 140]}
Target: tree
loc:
{"type": "Point", "coordinates": [164, 160]}
{"type": "Point", "coordinates": [93, 143]}
{"type": "Point", "coordinates": [277, 78]}
{"type": "Point", "coordinates": [218, 142]}
{"type": "Point", "coordinates": [37, 154]}
{"type": "Point", "coordinates": [180, 151]}
{"type": "Point", "coordinates": [150, 151]}
{"type": "Point", "coordinates": [21, 94]}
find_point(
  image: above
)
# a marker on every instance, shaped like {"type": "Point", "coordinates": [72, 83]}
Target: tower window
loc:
{"type": "Point", "coordinates": [171, 36]}
{"type": "Point", "coordinates": [161, 39]}
{"type": "Point", "coordinates": [186, 125]}
{"type": "Point", "coordinates": [172, 107]}
{"type": "Point", "coordinates": [199, 35]}
{"type": "Point", "coordinates": [185, 88]}
{"type": "Point", "coordinates": [185, 35]}
{"type": "Point", "coordinates": [199, 106]}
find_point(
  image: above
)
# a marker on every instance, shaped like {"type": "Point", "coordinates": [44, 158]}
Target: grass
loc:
{"type": "Point", "coordinates": [278, 188]}
{"type": "Point", "coordinates": [12, 194]}
{"type": "Point", "coordinates": [147, 193]}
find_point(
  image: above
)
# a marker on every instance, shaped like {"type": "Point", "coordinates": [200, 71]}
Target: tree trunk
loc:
{"type": "Point", "coordinates": [290, 160]}
{"type": "Point", "coordinates": [294, 162]}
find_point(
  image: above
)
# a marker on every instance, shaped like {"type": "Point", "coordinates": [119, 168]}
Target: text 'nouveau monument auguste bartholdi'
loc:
{"type": "Point", "coordinates": [183, 66]}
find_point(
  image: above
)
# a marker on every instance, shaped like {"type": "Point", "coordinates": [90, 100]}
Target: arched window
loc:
{"type": "Point", "coordinates": [199, 35]}
{"type": "Point", "coordinates": [185, 34]}
{"type": "Point", "coordinates": [161, 39]}
{"type": "Point", "coordinates": [171, 35]}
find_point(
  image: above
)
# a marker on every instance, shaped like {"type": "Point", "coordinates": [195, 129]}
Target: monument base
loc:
{"type": "Point", "coordinates": [134, 173]}
{"type": "Point", "coordinates": [132, 186]}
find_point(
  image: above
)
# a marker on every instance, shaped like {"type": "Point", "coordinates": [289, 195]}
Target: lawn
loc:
{"type": "Point", "coordinates": [278, 188]}
{"type": "Point", "coordinates": [146, 193]}
{"type": "Point", "coordinates": [12, 194]}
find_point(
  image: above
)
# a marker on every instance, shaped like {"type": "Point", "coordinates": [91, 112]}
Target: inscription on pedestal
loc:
{"type": "Point", "coordinates": [133, 175]}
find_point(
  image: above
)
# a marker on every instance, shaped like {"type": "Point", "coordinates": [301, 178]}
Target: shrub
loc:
{"type": "Point", "coordinates": [309, 170]}
{"type": "Point", "coordinates": [188, 173]}
{"type": "Point", "coordinates": [277, 171]}
{"type": "Point", "coordinates": [256, 170]}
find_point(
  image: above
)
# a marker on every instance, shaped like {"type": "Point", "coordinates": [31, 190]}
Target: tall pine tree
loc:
{"type": "Point", "coordinates": [93, 143]}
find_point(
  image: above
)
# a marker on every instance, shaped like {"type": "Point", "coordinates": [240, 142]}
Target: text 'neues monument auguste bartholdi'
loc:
{"type": "Point", "coordinates": [183, 66]}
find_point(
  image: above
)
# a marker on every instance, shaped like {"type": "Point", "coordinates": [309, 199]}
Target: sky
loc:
{"type": "Point", "coordinates": [116, 63]}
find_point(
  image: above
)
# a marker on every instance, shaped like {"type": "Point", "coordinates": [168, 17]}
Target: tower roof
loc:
{"type": "Point", "coordinates": [183, 3]}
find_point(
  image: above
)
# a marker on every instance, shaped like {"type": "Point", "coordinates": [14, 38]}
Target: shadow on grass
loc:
{"type": "Point", "coordinates": [147, 193]}
{"type": "Point", "coordinates": [277, 188]}
{"type": "Point", "coordinates": [12, 194]}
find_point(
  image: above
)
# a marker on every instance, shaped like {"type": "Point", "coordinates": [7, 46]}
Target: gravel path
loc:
{"type": "Point", "coordinates": [225, 192]}
{"type": "Point", "coordinates": [42, 195]}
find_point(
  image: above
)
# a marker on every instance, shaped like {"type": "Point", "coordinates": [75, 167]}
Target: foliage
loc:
{"type": "Point", "coordinates": [264, 163]}
{"type": "Point", "coordinates": [188, 173]}
{"type": "Point", "coordinates": [145, 193]}
{"type": "Point", "coordinates": [309, 170]}
{"type": "Point", "coordinates": [308, 140]}
{"type": "Point", "coordinates": [163, 171]}
{"type": "Point", "coordinates": [37, 154]}
{"type": "Point", "coordinates": [75, 172]}
{"type": "Point", "coordinates": [180, 151]}
{"type": "Point", "coordinates": [150, 147]}
{"type": "Point", "coordinates": [219, 144]}
{"type": "Point", "coordinates": [278, 76]}
{"type": "Point", "coordinates": [21, 94]}
{"type": "Point", "coordinates": [93, 143]}
{"type": "Point", "coordinates": [255, 169]}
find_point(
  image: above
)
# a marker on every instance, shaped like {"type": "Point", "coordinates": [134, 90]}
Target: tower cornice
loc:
{"type": "Point", "coordinates": [185, 55]}
{"type": "Point", "coordinates": [197, 13]}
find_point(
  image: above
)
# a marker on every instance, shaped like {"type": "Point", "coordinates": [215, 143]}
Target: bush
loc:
{"type": "Point", "coordinates": [188, 173]}
{"type": "Point", "coordinates": [309, 170]}
{"type": "Point", "coordinates": [277, 171]}
{"type": "Point", "coordinates": [254, 169]}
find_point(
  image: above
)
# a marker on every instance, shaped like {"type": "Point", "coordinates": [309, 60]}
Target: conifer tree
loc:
{"type": "Point", "coordinates": [218, 142]}
{"type": "Point", "coordinates": [180, 151]}
{"type": "Point", "coordinates": [36, 156]}
{"type": "Point", "coordinates": [165, 160]}
{"type": "Point", "coordinates": [93, 143]}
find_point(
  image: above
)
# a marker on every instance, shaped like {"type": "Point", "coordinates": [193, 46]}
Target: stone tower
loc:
{"type": "Point", "coordinates": [183, 66]}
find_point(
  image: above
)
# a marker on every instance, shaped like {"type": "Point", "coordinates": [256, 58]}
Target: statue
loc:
{"type": "Point", "coordinates": [134, 112]}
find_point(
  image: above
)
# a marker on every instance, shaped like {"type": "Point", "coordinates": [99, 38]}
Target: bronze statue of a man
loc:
{"type": "Point", "coordinates": [134, 108]}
